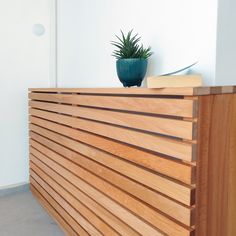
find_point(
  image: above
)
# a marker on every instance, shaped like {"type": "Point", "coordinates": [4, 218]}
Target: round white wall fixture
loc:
{"type": "Point", "coordinates": [38, 29]}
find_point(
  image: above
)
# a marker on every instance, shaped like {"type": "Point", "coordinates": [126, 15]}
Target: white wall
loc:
{"type": "Point", "coordinates": [180, 32]}
{"type": "Point", "coordinates": [24, 63]}
{"type": "Point", "coordinates": [226, 43]}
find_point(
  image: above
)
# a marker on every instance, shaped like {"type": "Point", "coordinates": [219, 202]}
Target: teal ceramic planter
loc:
{"type": "Point", "coordinates": [132, 71]}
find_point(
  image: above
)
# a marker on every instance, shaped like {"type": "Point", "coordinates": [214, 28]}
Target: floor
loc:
{"type": "Point", "coordinates": [21, 215]}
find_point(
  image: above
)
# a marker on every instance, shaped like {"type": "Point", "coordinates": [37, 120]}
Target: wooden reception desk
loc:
{"type": "Point", "coordinates": [135, 161]}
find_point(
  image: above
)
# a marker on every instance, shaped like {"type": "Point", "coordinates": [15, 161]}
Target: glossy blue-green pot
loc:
{"type": "Point", "coordinates": [131, 71]}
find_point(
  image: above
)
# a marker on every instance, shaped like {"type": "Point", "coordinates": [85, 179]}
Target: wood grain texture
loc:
{"type": "Point", "coordinates": [173, 148]}
{"type": "Point", "coordinates": [125, 215]}
{"type": "Point", "coordinates": [123, 91]}
{"type": "Point", "coordinates": [98, 227]}
{"type": "Point", "coordinates": [41, 175]}
{"type": "Point", "coordinates": [100, 150]}
{"type": "Point", "coordinates": [154, 218]}
{"type": "Point", "coordinates": [143, 91]}
{"type": "Point", "coordinates": [215, 193]}
{"type": "Point", "coordinates": [231, 215]}
{"type": "Point", "coordinates": [80, 219]}
{"type": "Point", "coordinates": [135, 206]}
{"type": "Point", "coordinates": [99, 210]}
{"type": "Point", "coordinates": [161, 106]}
{"type": "Point", "coordinates": [136, 161]}
{"type": "Point", "coordinates": [68, 224]}
{"type": "Point", "coordinates": [204, 124]}
{"type": "Point", "coordinates": [177, 211]}
{"type": "Point", "coordinates": [176, 170]}
{"type": "Point", "coordinates": [170, 188]}
{"type": "Point", "coordinates": [170, 127]}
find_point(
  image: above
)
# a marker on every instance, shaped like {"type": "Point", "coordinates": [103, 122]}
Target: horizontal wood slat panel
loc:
{"type": "Point", "coordinates": [101, 227]}
{"type": "Point", "coordinates": [171, 127]}
{"type": "Point", "coordinates": [116, 163]}
{"type": "Point", "coordinates": [172, 189]}
{"type": "Point", "coordinates": [98, 155]}
{"type": "Point", "coordinates": [162, 106]}
{"type": "Point", "coordinates": [100, 211]}
{"type": "Point", "coordinates": [57, 212]}
{"type": "Point", "coordinates": [177, 170]}
{"type": "Point", "coordinates": [167, 146]}
{"type": "Point", "coordinates": [167, 167]}
{"type": "Point", "coordinates": [173, 209]}
{"type": "Point", "coordinates": [116, 209]}
{"type": "Point", "coordinates": [39, 176]}
{"type": "Point", "coordinates": [135, 206]}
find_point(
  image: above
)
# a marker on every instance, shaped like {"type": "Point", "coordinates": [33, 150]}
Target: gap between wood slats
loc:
{"type": "Point", "coordinates": [156, 220]}
{"type": "Point", "coordinates": [161, 164]}
{"type": "Point", "coordinates": [164, 106]}
{"type": "Point", "coordinates": [146, 209]}
{"type": "Point", "coordinates": [162, 146]}
{"type": "Point", "coordinates": [78, 144]}
{"type": "Point", "coordinates": [192, 163]}
{"type": "Point", "coordinates": [116, 209]}
{"type": "Point", "coordinates": [40, 113]}
{"type": "Point", "coordinates": [166, 146]}
{"type": "Point", "coordinates": [52, 116]}
{"type": "Point", "coordinates": [99, 227]}
{"type": "Point", "coordinates": [121, 227]}
{"type": "Point", "coordinates": [109, 219]}
{"type": "Point", "coordinates": [161, 184]}
{"type": "Point", "coordinates": [140, 113]}
{"type": "Point", "coordinates": [77, 216]}
{"type": "Point", "coordinates": [41, 175]}
{"type": "Point", "coordinates": [143, 159]}
{"type": "Point", "coordinates": [68, 224]}
{"type": "Point", "coordinates": [80, 137]}
{"type": "Point", "coordinates": [118, 165]}
{"type": "Point", "coordinates": [176, 211]}
{"type": "Point", "coordinates": [170, 127]}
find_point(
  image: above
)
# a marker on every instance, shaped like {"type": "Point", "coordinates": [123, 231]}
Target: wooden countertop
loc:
{"type": "Point", "coordinates": [143, 91]}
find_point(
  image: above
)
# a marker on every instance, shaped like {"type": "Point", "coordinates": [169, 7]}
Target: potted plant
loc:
{"type": "Point", "coordinates": [132, 59]}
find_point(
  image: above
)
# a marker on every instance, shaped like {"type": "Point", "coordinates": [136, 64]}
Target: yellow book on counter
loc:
{"type": "Point", "coordinates": [175, 81]}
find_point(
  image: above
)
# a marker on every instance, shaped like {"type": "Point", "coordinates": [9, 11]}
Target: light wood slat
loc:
{"type": "Point", "coordinates": [217, 166]}
{"type": "Point", "coordinates": [40, 178]}
{"type": "Point", "coordinates": [205, 104]}
{"type": "Point", "coordinates": [162, 106]}
{"type": "Point", "coordinates": [100, 211]}
{"type": "Point", "coordinates": [116, 209]}
{"type": "Point", "coordinates": [172, 189]}
{"type": "Point", "coordinates": [173, 209]}
{"type": "Point", "coordinates": [177, 149]}
{"type": "Point", "coordinates": [161, 222]}
{"type": "Point", "coordinates": [144, 91]}
{"type": "Point", "coordinates": [231, 214]}
{"type": "Point", "coordinates": [44, 198]}
{"type": "Point", "coordinates": [165, 166]}
{"type": "Point", "coordinates": [171, 127]}
{"type": "Point", "coordinates": [89, 215]}
{"type": "Point", "coordinates": [127, 91]}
